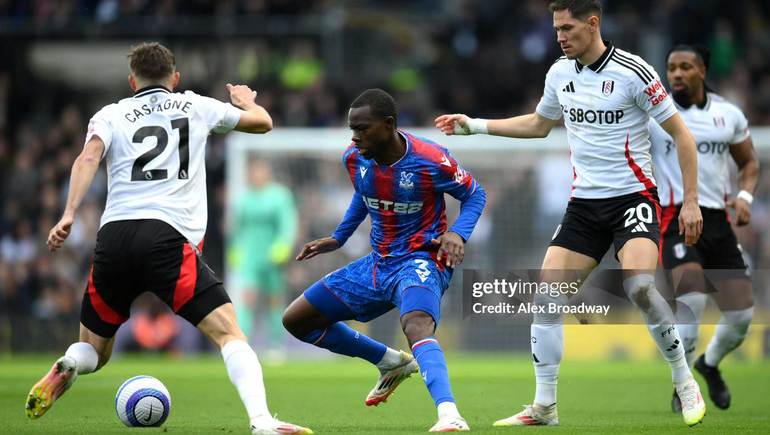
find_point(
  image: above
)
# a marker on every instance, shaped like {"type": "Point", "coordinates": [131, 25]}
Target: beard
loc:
{"type": "Point", "coordinates": [683, 97]}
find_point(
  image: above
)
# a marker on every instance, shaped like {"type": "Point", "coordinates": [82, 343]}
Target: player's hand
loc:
{"type": "Point", "coordinates": [451, 249]}
{"type": "Point", "coordinates": [690, 222]}
{"type": "Point", "coordinates": [320, 246]}
{"type": "Point", "coordinates": [241, 95]}
{"type": "Point", "coordinates": [742, 211]}
{"type": "Point", "coordinates": [453, 124]}
{"type": "Point", "coordinates": [59, 233]}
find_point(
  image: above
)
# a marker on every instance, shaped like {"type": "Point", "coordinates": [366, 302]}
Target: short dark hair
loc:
{"type": "Point", "coordinates": [700, 51]}
{"type": "Point", "coordinates": [581, 9]}
{"type": "Point", "coordinates": [151, 61]}
{"type": "Point", "coordinates": [380, 102]}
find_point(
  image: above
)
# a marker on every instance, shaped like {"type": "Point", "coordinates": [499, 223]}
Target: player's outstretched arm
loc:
{"type": "Point", "coordinates": [532, 125]}
{"type": "Point", "coordinates": [355, 214]}
{"type": "Point", "coordinates": [690, 219]}
{"type": "Point", "coordinates": [745, 158]}
{"type": "Point", "coordinates": [83, 172]}
{"type": "Point", "coordinates": [254, 118]}
{"type": "Point", "coordinates": [320, 246]}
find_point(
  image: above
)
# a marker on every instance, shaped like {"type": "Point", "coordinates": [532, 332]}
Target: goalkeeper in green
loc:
{"type": "Point", "coordinates": [263, 233]}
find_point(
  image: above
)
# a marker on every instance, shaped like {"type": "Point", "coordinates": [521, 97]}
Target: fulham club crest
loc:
{"type": "Point", "coordinates": [607, 87]}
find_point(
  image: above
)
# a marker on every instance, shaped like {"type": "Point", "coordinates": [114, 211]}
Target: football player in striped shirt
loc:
{"type": "Point", "coordinates": [399, 181]}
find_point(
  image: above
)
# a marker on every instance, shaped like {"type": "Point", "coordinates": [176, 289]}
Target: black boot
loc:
{"type": "Point", "coordinates": [676, 404]}
{"type": "Point", "coordinates": [718, 391]}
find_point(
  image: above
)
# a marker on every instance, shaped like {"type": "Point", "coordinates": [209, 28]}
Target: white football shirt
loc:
{"type": "Point", "coordinates": [716, 126]}
{"type": "Point", "coordinates": [606, 107]}
{"type": "Point", "coordinates": [155, 145]}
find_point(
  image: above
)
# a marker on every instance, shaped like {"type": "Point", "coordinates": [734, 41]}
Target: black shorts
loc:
{"type": "Point", "coordinates": [590, 226]}
{"type": "Point", "coordinates": [717, 248]}
{"type": "Point", "coordinates": [135, 256]}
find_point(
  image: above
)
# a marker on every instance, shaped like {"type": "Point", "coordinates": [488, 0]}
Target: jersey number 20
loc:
{"type": "Point", "coordinates": [642, 211]}
{"type": "Point", "coordinates": [161, 135]}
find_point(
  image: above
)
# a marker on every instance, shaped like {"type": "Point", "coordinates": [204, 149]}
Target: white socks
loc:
{"type": "Point", "coordinates": [730, 332]}
{"type": "Point", "coordinates": [547, 348]}
{"type": "Point", "coordinates": [391, 358]}
{"type": "Point", "coordinates": [447, 409]}
{"type": "Point", "coordinates": [660, 322]}
{"type": "Point", "coordinates": [689, 309]}
{"type": "Point", "coordinates": [246, 374]}
{"type": "Point", "coordinates": [85, 356]}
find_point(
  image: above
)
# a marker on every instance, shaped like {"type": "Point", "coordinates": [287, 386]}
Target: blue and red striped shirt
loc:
{"type": "Point", "coordinates": [405, 200]}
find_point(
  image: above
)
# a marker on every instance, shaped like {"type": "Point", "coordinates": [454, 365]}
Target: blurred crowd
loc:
{"type": "Point", "coordinates": [486, 58]}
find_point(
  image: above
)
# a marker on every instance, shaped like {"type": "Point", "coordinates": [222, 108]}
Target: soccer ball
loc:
{"type": "Point", "coordinates": [142, 401]}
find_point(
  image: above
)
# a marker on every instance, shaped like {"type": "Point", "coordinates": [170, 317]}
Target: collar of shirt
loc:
{"type": "Point", "coordinates": [705, 105]}
{"type": "Point", "coordinates": [599, 64]}
{"type": "Point", "coordinates": [406, 150]}
{"type": "Point", "coordinates": [147, 90]}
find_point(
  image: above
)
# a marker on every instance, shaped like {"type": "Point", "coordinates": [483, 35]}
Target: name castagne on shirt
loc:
{"type": "Point", "coordinates": [147, 109]}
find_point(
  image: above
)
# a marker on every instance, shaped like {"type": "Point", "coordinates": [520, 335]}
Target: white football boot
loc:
{"type": "Point", "coordinates": [273, 426]}
{"type": "Point", "coordinates": [392, 378]}
{"type": "Point", "coordinates": [693, 406]}
{"type": "Point", "coordinates": [532, 415]}
{"type": "Point", "coordinates": [450, 424]}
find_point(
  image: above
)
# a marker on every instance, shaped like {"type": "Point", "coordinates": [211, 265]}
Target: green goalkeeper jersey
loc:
{"type": "Point", "coordinates": [265, 225]}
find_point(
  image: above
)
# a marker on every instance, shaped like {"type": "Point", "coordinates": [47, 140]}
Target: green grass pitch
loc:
{"type": "Point", "coordinates": [328, 396]}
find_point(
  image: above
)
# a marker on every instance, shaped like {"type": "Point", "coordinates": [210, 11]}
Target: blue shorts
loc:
{"type": "Point", "coordinates": [373, 285]}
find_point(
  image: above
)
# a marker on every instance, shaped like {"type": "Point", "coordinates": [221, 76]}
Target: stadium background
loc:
{"type": "Point", "coordinates": [62, 60]}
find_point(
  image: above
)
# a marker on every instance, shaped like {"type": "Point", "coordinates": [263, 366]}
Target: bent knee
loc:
{"type": "Point", "coordinates": [417, 325]}
{"type": "Point", "coordinates": [640, 289]}
{"type": "Point", "coordinates": [301, 318]}
{"type": "Point", "coordinates": [290, 324]}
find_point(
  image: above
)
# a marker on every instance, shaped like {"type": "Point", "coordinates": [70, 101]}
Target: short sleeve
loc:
{"type": "Point", "coordinates": [650, 94]}
{"type": "Point", "coordinates": [100, 126]}
{"type": "Point", "coordinates": [219, 117]}
{"type": "Point", "coordinates": [741, 131]}
{"type": "Point", "coordinates": [549, 106]}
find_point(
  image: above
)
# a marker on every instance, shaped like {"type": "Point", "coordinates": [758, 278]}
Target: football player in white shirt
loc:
{"type": "Point", "coordinates": [151, 233]}
{"type": "Point", "coordinates": [606, 96]}
{"type": "Point", "coordinates": [721, 132]}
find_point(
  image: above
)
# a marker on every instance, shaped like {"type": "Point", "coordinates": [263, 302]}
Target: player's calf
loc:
{"type": "Point", "coordinates": [419, 327]}
{"type": "Point", "coordinates": [316, 318]}
{"type": "Point", "coordinates": [659, 319]}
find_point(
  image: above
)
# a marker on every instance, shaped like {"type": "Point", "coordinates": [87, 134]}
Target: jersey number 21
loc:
{"type": "Point", "coordinates": [161, 135]}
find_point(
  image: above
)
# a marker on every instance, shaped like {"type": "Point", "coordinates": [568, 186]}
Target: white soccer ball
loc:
{"type": "Point", "coordinates": [142, 401]}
